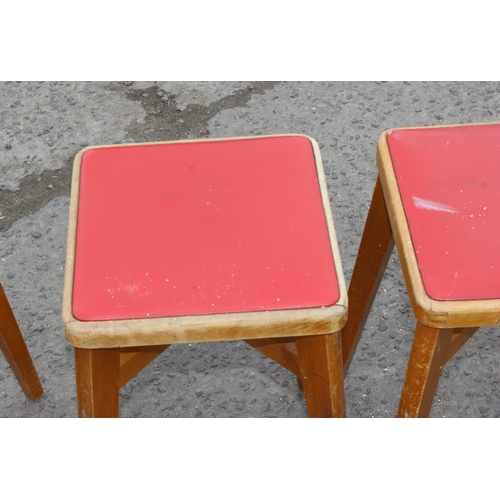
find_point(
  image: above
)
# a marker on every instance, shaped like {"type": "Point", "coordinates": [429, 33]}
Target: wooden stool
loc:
{"type": "Point", "coordinates": [437, 195]}
{"type": "Point", "coordinates": [14, 349]}
{"type": "Point", "coordinates": [197, 241]}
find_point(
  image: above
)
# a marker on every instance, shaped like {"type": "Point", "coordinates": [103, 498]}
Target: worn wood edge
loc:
{"type": "Point", "coordinates": [330, 224]}
{"type": "Point", "coordinates": [446, 125]}
{"type": "Point", "coordinates": [67, 310]}
{"type": "Point", "coordinates": [187, 141]}
{"type": "Point", "coordinates": [203, 328]}
{"type": "Point", "coordinates": [430, 312]}
{"type": "Point", "coordinates": [181, 329]}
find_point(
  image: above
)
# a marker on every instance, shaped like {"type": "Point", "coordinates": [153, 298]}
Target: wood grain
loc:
{"type": "Point", "coordinates": [97, 374]}
{"type": "Point", "coordinates": [320, 358]}
{"type": "Point", "coordinates": [427, 357]}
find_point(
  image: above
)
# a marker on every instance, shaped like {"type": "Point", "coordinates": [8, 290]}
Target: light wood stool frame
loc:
{"type": "Point", "coordinates": [443, 327]}
{"type": "Point", "coordinates": [305, 341]}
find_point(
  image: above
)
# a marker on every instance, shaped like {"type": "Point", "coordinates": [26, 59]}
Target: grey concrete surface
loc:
{"type": "Point", "coordinates": [44, 124]}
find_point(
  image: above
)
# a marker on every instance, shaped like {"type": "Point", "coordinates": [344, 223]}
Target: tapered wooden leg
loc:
{"type": "Point", "coordinates": [97, 375]}
{"type": "Point", "coordinates": [16, 352]}
{"type": "Point", "coordinates": [320, 359]}
{"type": "Point", "coordinates": [374, 252]}
{"type": "Point", "coordinates": [428, 355]}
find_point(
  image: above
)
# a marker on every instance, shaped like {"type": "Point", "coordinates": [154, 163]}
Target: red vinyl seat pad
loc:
{"type": "Point", "coordinates": [449, 181]}
{"type": "Point", "coordinates": [201, 228]}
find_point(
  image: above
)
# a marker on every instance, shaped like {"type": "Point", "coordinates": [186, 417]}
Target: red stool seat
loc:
{"type": "Point", "coordinates": [201, 228]}
{"type": "Point", "coordinates": [449, 180]}
{"type": "Point", "coordinates": [436, 198]}
{"type": "Point", "coordinates": [198, 241]}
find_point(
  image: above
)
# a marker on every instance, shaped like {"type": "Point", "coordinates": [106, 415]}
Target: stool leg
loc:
{"type": "Point", "coordinates": [15, 351]}
{"type": "Point", "coordinates": [374, 252]}
{"type": "Point", "coordinates": [428, 355]}
{"type": "Point", "coordinates": [320, 359]}
{"type": "Point", "coordinates": [97, 373]}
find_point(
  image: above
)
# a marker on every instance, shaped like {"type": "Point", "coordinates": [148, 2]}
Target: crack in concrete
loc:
{"type": "Point", "coordinates": [164, 122]}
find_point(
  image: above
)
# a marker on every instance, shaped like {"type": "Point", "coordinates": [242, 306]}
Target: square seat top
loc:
{"type": "Point", "coordinates": [449, 182]}
{"type": "Point", "coordinates": [201, 227]}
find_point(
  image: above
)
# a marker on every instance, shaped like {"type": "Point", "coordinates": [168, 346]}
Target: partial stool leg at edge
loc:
{"type": "Point", "coordinates": [432, 347]}
{"type": "Point", "coordinates": [14, 348]}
